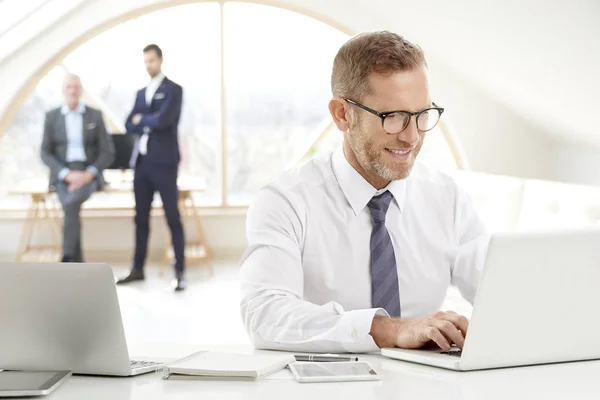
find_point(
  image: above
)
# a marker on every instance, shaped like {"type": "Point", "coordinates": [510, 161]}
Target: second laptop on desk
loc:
{"type": "Point", "coordinates": [63, 316]}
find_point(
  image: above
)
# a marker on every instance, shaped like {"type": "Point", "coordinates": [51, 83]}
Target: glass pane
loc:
{"type": "Point", "coordinates": [436, 152]}
{"type": "Point", "coordinates": [112, 70]}
{"type": "Point", "coordinates": [328, 143]}
{"type": "Point", "coordinates": [277, 72]}
{"type": "Point", "coordinates": [20, 145]}
{"type": "Point", "coordinates": [428, 120]}
{"type": "Point", "coordinates": [115, 77]}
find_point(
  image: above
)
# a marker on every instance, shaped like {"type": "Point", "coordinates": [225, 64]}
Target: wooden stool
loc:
{"type": "Point", "coordinates": [43, 208]}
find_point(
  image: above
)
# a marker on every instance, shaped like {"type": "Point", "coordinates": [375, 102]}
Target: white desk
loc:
{"type": "Point", "coordinates": [402, 381]}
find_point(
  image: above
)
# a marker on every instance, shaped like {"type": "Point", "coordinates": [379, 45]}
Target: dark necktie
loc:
{"type": "Point", "coordinates": [384, 275]}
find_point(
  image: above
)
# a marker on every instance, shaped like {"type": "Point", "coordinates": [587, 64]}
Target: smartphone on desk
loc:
{"type": "Point", "coordinates": [333, 371]}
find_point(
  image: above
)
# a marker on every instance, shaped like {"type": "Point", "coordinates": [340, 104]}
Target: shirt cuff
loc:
{"type": "Point", "coordinates": [93, 170]}
{"type": "Point", "coordinates": [63, 172]}
{"type": "Point", "coordinates": [357, 325]}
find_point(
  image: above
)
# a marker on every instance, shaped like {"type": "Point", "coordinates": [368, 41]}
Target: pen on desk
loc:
{"type": "Point", "coordinates": [324, 358]}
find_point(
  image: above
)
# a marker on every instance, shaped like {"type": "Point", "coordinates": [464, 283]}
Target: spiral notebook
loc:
{"type": "Point", "coordinates": [227, 365]}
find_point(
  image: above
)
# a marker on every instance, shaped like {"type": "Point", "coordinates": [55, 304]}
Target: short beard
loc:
{"type": "Point", "coordinates": [370, 157]}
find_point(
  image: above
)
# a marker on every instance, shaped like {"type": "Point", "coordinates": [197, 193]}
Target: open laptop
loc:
{"type": "Point", "coordinates": [536, 303]}
{"type": "Point", "coordinates": [63, 316]}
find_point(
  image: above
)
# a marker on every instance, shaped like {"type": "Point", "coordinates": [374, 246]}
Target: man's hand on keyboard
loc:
{"type": "Point", "coordinates": [441, 328]}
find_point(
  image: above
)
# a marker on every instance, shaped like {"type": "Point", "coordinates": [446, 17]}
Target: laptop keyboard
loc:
{"type": "Point", "coordinates": [455, 353]}
{"type": "Point", "coordinates": [141, 364]}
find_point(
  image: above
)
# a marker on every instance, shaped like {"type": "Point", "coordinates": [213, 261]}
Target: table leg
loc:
{"type": "Point", "coordinates": [199, 228]}
{"type": "Point", "coordinates": [27, 231]}
{"type": "Point", "coordinates": [50, 212]}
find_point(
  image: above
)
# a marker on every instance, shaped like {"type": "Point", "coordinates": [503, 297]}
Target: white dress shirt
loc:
{"type": "Point", "coordinates": [75, 139]}
{"type": "Point", "coordinates": [151, 89]}
{"type": "Point", "coordinates": [74, 127]}
{"type": "Point", "coordinates": [305, 277]}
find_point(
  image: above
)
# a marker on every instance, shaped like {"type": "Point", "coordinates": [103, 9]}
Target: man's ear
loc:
{"type": "Point", "coordinates": [338, 111]}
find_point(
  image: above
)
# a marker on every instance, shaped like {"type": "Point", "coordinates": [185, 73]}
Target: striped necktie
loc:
{"type": "Point", "coordinates": [384, 275]}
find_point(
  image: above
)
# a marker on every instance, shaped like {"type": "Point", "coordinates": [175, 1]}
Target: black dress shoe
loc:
{"type": "Point", "coordinates": [179, 284]}
{"type": "Point", "coordinates": [134, 275]}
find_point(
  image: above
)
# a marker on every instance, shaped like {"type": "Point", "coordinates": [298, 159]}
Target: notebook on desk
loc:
{"type": "Point", "coordinates": [227, 365]}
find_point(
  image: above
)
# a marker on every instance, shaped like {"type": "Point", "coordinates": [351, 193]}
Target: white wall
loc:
{"type": "Point", "coordinates": [112, 238]}
{"type": "Point", "coordinates": [494, 138]}
{"type": "Point", "coordinates": [577, 163]}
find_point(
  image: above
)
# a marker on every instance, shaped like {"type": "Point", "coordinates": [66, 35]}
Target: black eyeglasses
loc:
{"type": "Point", "coordinates": [394, 122]}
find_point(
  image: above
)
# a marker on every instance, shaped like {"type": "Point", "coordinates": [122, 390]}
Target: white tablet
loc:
{"type": "Point", "coordinates": [333, 371]}
{"type": "Point", "coordinates": [30, 383]}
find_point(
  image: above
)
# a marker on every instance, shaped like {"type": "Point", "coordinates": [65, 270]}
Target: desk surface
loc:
{"type": "Point", "coordinates": [400, 381]}
{"type": "Point", "coordinates": [40, 187]}
{"type": "Point", "coordinates": [196, 184]}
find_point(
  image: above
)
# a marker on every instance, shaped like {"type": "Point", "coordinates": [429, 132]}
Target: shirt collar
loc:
{"type": "Point", "coordinates": [156, 81]}
{"type": "Point", "coordinates": [357, 190]}
{"type": "Point", "coordinates": [80, 109]}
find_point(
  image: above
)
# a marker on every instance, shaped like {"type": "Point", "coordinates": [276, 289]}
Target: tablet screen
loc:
{"type": "Point", "coordinates": [333, 369]}
{"type": "Point", "coordinates": [24, 380]}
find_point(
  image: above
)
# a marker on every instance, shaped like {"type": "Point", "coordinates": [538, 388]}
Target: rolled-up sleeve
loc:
{"type": "Point", "coordinates": [273, 309]}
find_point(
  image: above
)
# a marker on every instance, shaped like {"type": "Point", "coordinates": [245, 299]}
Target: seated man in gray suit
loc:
{"type": "Point", "coordinates": [76, 148]}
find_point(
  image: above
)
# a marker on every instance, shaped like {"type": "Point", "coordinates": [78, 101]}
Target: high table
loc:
{"type": "Point", "coordinates": [44, 209]}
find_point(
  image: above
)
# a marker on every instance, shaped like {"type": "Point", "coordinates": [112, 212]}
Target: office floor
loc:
{"type": "Point", "coordinates": [206, 313]}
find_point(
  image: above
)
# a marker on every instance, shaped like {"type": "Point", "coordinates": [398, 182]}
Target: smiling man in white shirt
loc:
{"type": "Point", "coordinates": [356, 251]}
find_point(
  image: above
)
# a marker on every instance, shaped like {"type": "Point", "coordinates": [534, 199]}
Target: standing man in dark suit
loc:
{"type": "Point", "coordinates": [155, 159]}
{"type": "Point", "coordinates": [76, 148]}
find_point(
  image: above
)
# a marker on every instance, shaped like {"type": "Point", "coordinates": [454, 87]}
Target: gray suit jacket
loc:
{"type": "Point", "coordinates": [98, 145]}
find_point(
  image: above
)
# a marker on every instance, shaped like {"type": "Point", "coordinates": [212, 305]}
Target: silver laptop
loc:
{"type": "Point", "coordinates": [536, 304]}
{"type": "Point", "coordinates": [63, 316]}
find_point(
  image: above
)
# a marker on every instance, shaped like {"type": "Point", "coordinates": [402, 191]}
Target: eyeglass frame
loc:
{"type": "Point", "coordinates": [383, 115]}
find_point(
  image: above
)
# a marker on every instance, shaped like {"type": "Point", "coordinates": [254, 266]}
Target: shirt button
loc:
{"type": "Point", "coordinates": [354, 333]}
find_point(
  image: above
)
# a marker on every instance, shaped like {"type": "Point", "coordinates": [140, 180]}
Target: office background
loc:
{"type": "Point", "coordinates": [518, 80]}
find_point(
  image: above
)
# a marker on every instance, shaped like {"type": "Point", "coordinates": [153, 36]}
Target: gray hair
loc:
{"type": "Point", "coordinates": [70, 76]}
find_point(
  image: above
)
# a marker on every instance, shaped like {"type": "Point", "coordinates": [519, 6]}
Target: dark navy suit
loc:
{"type": "Point", "coordinates": [157, 169]}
